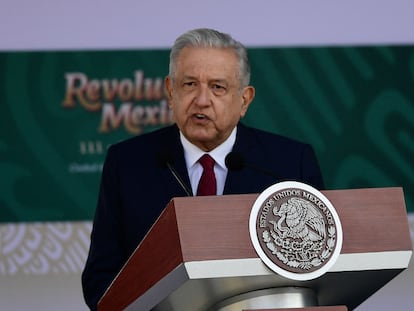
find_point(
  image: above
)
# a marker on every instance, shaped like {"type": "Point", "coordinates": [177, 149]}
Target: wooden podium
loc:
{"type": "Point", "coordinates": [199, 254]}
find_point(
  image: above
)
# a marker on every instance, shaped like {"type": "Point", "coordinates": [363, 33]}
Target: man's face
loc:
{"type": "Point", "coordinates": [205, 95]}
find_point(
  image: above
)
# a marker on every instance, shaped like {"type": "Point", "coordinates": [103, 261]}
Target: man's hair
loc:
{"type": "Point", "coordinates": [206, 38]}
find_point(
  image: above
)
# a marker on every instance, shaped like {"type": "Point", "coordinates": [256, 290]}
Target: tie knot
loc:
{"type": "Point", "coordinates": [207, 162]}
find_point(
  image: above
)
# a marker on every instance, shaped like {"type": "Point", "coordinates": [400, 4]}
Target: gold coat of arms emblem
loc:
{"type": "Point", "coordinates": [295, 230]}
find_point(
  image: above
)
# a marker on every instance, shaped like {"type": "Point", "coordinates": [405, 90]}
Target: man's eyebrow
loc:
{"type": "Point", "coordinates": [219, 81]}
{"type": "Point", "coordinates": [213, 80]}
{"type": "Point", "coordinates": [189, 78]}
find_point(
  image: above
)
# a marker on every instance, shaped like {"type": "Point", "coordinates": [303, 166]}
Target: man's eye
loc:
{"type": "Point", "coordinates": [189, 84]}
{"type": "Point", "coordinates": [218, 89]}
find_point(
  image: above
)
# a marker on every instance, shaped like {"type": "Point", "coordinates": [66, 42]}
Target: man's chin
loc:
{"type": "Point", "coordinates": [204, 141]}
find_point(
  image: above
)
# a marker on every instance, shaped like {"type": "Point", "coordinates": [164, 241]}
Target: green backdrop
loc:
{"type": "Point", "coordinates": [60, 110]}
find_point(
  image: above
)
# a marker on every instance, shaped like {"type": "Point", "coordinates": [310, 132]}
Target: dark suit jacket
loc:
{"type": "Point", "coordinates": [135, 188]}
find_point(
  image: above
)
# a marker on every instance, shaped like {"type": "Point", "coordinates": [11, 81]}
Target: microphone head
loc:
{"type": "Point", "coordinates": [234, 161]}
{"type": "Point", "coordinates": [165, 157]}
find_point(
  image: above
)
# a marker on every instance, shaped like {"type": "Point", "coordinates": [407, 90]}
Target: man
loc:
{"type": "Point", "coordinates": [209, 92]}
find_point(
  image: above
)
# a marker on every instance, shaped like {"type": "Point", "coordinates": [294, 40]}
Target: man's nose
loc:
{"type": "Point", "coordinates": [203, 96]}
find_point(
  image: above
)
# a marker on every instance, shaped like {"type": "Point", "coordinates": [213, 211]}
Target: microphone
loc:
{"type": "Point", "coordinates": [166, 159]}
{"type": "Point", "coordinates": [236, 162]}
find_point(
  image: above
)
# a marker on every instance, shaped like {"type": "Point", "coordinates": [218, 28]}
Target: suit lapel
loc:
{"type": "Point", "coordinates": [173, 145]}
{"type": "Point", "coordinates": [237, 182]}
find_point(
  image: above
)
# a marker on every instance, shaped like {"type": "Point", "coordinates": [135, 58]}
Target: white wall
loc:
{"type": "Point", "coordinates": [78, 24]}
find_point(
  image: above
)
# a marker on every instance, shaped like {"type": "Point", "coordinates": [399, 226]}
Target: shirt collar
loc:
{"type": "Point", "coordinates": [192, 153]}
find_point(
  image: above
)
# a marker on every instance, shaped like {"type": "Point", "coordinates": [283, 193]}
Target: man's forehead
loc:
{"type": "Point", "coordinates": [220, 68]}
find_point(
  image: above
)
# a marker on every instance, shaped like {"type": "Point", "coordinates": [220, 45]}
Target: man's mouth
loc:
{"type": "Point", "coordinates": [200, 116]}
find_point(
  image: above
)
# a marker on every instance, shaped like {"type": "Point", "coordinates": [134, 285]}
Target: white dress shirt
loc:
{"type": "Point", "coordinates": [192, 153]}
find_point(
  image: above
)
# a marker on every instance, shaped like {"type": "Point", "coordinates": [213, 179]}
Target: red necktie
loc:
{"type": "Point", "coordinates": [207, 184]}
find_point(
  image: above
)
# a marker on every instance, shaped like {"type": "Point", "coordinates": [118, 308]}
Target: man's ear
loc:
{"type": "Point", "coordinates": [247, 97]}
{"type": "Point", "coordinates": [169, 88]}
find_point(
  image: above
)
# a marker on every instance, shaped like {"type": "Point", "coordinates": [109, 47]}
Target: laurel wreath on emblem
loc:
{"type": "Point", "coordinates": [300, 244]}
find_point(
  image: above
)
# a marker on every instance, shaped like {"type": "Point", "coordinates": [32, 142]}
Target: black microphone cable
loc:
{"type": "Point", "coordinates": [165, 159]}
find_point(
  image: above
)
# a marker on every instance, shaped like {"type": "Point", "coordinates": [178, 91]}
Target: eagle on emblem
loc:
{"type": "Point", "coordinates": [299, 219]}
